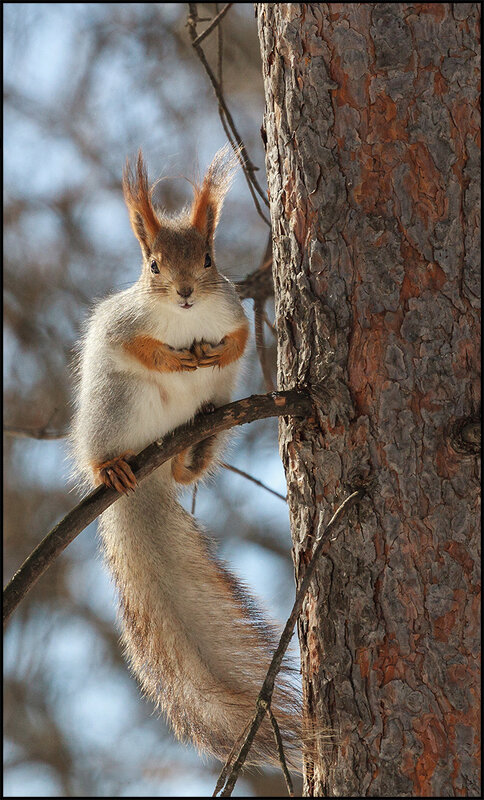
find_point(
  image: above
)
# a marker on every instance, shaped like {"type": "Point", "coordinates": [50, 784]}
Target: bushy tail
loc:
{"type": "Point", "coordinates": [192, 635]}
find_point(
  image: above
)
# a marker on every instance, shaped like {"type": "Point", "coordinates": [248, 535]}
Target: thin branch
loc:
{"type": "Point", "coordinates": [265, 694]}
{"type": "Point", "coordinates": [226, 767]}
{"type": "Point", "coordinates": [280, 750]}
{"type": "Point", "coordinates": [35, 433]}
{"type": "Point", "coordinates": [212, 25]}
{"type": "Point", "coordinates": [40, 433]}
{"type": "Point", "coordinates": [269, 324]}
{"type": "Point", "coordinates": [32, 433]}
{"type": "Point", "coordinates": [240, 150]}
{"type": "Point", "coordinates": [223, 120]}
{"type": "Point", "coordinates": [258, 284]}
{"type": "Point", "coordinates": [254, 480]}
{"type": "Point", "coordinates": [220, 52]}
{"type": "Point", "coordinates": [293, 402]}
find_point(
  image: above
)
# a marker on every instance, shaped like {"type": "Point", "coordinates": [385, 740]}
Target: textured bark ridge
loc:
{"type": "Point", "coordinates": [372, 127]}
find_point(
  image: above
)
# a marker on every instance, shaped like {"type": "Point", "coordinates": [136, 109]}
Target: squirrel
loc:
{"type": "Point", "coordinates": [152, 357]}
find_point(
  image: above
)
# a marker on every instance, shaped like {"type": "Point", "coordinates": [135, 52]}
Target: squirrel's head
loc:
{"type": "Point", "coordinates": [178, 254]}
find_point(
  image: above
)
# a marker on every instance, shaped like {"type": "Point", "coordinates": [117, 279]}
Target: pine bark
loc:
{"type": "Point", "coordinates": [372, 132]}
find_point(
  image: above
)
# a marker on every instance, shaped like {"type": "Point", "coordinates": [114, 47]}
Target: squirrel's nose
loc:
{"type": "Point", "coordinates": [185, 291]}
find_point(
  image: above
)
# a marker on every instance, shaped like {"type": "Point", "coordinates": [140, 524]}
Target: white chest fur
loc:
{"type": "Point", "coordinates": [209, 318]}
{"type": "Point", "coordinates": [167, 400]}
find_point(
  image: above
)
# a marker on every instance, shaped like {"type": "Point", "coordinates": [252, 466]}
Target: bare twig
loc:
{"type": "Point", "coordinates": [221, 114]}
{"type": "Point", "coordinates": [40, 433]}
{"type": "Point", "coordinates": [32, 433]}
{"type": "Point", "coordinates": [239, 147]}
{"type": "Point", "coordinates": [293, 402]}
{"type": "Point", "coordinates": [269, 324]}
{"type": "Point", "coordinates": [226, 767]}
{"type": "Point", "coordinates": [35, 433]}
{"type": "Point", "coordinates": [216, 20]}
{"type": "Point", "coordinates": [254, 480]}
{"type": "Point", "coordinates": [258, 284]}
{"type": "Point", "coordinates": [265, 694]}
{"type": "Point", "coordinates": [280, 750]}
{"type": "Point", "coordinates": [220, 53]}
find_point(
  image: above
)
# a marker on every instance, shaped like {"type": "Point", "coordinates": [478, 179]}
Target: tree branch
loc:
{"type": "Point", "coordinates": [226, 117]}
{"type": "Point", "coordinates": [292, 402]}
{"type": "Point", "coordinates": [32, 433]}
{"type": "Point", "coordinates": [258, 284]}
{"type": "Point", "coordinates": [254, 480]}
{"type": "Point", "coordinates": [265, 695]}
{"type": "Point", "coordinates": [40, 433]}
{"type": "Point", "coordinates": [280, 750]}
{"type": "Point", "coordinates": [35, 433]}
{"type": "Point", "coordinates": [221, 14]}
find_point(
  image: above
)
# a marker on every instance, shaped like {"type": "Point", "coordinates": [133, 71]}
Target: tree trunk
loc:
{"type": "Point", "coordinates": [372, 128]}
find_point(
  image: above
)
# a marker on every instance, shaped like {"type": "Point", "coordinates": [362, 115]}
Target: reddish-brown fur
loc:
{"type": "Point", "coordinates": [158, 356]}
{"type": "Point", "coordinates": [137, 194]}
{"type": "Point", "coordinates": [199, 457]}
{"type": "Point", "coordinates": [116, 473]}
{"type": "Point", "coordinates": [208, 200]}
{"type": "Point", "coordinates": [229, 349]}
{"type": "Point", "coordinates": [203, 201]}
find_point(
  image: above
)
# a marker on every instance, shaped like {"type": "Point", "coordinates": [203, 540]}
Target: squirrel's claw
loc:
{"type": "Point", "coordinates": [210, 361]}
{"type": "Point", "coordinates": [206, 408]}
{"type": "Point", "coordinates": [117, 474]}
{"type": "Point", "coordinates": [129, 476]}
{"type": "Point", "coordinates": [187, 359]}
{"type": "Point", "coordinates": [209, 354]}
{"type": "Point", "coordinates": [197, 350]}
{"type": "Point", "coordinates": [115, 482]}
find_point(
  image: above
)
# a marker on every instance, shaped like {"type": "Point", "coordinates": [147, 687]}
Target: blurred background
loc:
{"type": "Point", "coordinates": [86, 85]}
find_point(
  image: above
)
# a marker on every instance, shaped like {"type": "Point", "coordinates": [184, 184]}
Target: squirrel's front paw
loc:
{"type": "Point", "coordinates": [117, 474]}
{"type": "Point", "coordinates": [209, 355]}
{"type": "Point", "coordinates": [181, 360]}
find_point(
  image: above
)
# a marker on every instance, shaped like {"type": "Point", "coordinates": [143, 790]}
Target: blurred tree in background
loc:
{"type": "Point", "coordinates": [85, 86]}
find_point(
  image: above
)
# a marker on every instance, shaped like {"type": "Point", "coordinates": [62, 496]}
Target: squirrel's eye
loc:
{"type": "Point", "coordinates": [154, 267]}
{"type": "Point", "coordinates": [208, 261]}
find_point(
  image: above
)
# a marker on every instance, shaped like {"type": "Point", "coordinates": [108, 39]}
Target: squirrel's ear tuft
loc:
{"type": "Point", "coordinates": [137, 195]}
{"type": "Point", "coordinates": [209, 197]}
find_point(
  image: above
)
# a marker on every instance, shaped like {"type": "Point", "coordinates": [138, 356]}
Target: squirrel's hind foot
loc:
{"type": "Point", "coordinates": [200, 457]}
